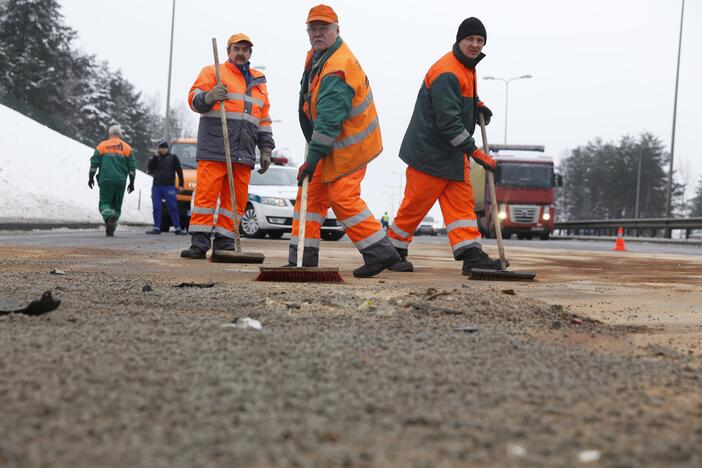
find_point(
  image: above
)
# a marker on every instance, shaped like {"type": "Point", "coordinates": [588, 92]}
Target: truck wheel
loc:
{"type": "Point", "coordinates": [275, 234]}
{"type": "Point", "coordinates": [332, 235]}
{"type": "Point", "coordinates": [249, 224]}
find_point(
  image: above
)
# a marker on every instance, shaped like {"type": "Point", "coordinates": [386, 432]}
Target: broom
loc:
{"type": "Point", "coordinates": [502, 274]}
{"type": "Point", "coordinates": [229, 256]}
{"type": "Point", "coordinates": [300, 274]}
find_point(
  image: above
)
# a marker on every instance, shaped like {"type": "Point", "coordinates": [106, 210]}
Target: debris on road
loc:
{"type": "Point", "coordinates": [589, 456]}
{"type": "Point", "coordinates": [195, 285]}
{"type": "Point", "coordinates": [467, 329]}
{"type": "Point", "coordinates": [56, 271]}
{"type": "Point", "coordinates": [244, 323]}
{"type": "Point", "coordinates": [147, 288]}
{"type": "Point", "coordinates": [422, 307]}
{"type": "Point", "coordinates": [509, 292]}
{"type": "Point", "coordinates": [576, 321]}
{"type": "Point", "coordinates": [46, 304]}
{"type": "Point", "coordinates": [516, 450]}
{"type": "Point", "coordinates": [367, 305]}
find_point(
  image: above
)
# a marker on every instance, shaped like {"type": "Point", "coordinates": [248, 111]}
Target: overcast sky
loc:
{"type": "Point", "coordinates": [600, 68]}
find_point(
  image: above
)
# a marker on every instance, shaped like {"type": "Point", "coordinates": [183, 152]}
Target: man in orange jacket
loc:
{"type": "Point", "coordinates": [436, 148]}
{"type": "Point", "coordinates": [244, 96]}
{"type": "Point", "coordinates": [339, 120]}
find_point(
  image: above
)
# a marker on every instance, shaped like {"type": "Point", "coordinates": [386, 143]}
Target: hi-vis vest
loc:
{"type": "Point", "coordinates": [359, 141]}
{"type": "Point", "coordinates": [247, 103]}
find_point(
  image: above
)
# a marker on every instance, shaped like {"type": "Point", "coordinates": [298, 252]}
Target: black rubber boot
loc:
{"type": "Point", "coordinates": [372, 269]}
{"type": "Point", "coordinates": [476, 258]}
{"type": "Point", "coordinates": [403, 265]}
{"type": "Point", "coordinates": [154, 231]}
{"type": "Point", "coordinates": [194, 252]}
{"type": "Point", "coordinates": [181, 232]}
{"type": "Point", "coordinates": [110, 226]}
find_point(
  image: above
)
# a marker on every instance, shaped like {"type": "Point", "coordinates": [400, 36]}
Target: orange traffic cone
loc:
{"type": "Point", "coordinates": [620, 246]}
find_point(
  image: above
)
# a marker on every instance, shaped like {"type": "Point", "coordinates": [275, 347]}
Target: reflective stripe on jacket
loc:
{"type": "Point", "coordinates": [246, 107]}
{"type": "Point", "coordinates": [359, 140]}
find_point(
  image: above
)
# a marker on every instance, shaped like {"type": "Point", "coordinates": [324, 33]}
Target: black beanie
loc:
{"type": "Point", "coordinates": [162, 144]}
{"type": "Point", "coordinates": [471, 27]}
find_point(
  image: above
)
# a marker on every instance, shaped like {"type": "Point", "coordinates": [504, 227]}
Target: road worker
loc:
{"type": "Point", "coordinates": [113, 161]}
{"type": "Point", "coordinates": [436, 147]}
{"type": "Point", "coordinates": [340, 123]}
{"type": "Point", "coordinates": [244, 96]}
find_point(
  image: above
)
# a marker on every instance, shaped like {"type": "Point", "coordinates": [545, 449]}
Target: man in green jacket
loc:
{"type": "Point", "coordinates": [113, 160]}
{"type": "Point", "coordinates": [436, 147]}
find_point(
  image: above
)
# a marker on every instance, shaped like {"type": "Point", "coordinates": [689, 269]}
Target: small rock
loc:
{"type": "Point", "coordinates": [147, 288]}
{"type": "Point", "coordinates": [292, 305]}
{"type": "Point", "coordinates": [556, 324]}
{"type": "Point", "coordinates": [381, 281]}
{"type": "Point", "coordinates": [56, 271]}
{"type": "Point", "coordinates": [467, 329]}
{"type": "Point", "coordinates": [516, 450]}
{"type": "Point", "coordinates": [509, 292]}
{"type": "Point", "coordinates": [589, 456]}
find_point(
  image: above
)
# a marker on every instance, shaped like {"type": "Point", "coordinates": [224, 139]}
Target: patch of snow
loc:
{"type": "Point", "coordinates": [45, 177]}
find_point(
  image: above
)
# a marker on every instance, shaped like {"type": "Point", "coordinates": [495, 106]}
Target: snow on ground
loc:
{"type": "Point", "coordinates": [44, 177]}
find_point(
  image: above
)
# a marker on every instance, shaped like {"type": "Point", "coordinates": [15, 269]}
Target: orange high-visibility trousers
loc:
{"type": "Point", "coordinates": [456, 201]}
{"type": "Point", "coordinates": [212, 184]}
{"type": "Point", "coordinates": [343, 195]}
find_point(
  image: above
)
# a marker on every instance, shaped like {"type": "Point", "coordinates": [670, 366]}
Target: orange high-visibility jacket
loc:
{"type": "Point", "coordinates": [359, 141]}
{"type": "Point", "coordinates": [247, 114]}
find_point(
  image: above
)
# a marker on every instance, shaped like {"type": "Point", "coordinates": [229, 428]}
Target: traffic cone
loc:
{"type": "Point", "coordinates": [620, 246]}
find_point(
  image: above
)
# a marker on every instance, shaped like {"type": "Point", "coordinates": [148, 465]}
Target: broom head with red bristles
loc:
{"type": "Point", "coordinates": [300, 275]}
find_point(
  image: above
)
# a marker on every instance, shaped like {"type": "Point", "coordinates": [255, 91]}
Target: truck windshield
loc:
{"type": "Point", "coordinates": [186, 154]}
{"type": "Point", "coordinates": [275, 176]}
{"type": "Point", "coordinates": [525, 175]}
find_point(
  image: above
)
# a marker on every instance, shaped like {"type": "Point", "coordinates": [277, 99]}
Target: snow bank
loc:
{"type": "Point", "coordinates": [44, 177]}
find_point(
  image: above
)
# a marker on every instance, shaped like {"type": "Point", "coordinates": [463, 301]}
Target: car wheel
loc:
{"type": "Point", "coordinates": [275, 234]}
{"type": "Point", "coordinates": [249, 224]}
{"type": "Point", "coordinates": [332, 235]}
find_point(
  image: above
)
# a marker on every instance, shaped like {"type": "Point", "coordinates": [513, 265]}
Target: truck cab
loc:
{"type": "Point", "coordinates": [524, 186]}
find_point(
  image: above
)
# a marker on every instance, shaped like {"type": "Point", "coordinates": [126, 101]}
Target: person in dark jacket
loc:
{"type": "Point", "coordinates": [436, 148]}
{"type": "Point", "coordinates": [163, 167]}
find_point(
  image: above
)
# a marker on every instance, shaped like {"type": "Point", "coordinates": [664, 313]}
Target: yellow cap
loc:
{"type": "Point", "coordinates": [239, 37]}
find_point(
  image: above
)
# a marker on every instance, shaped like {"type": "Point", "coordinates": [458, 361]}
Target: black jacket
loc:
{"type": "Point", "coordinates": [164, 168]}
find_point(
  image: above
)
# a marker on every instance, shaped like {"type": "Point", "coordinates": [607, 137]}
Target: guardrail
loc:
{"type": "Point", "coordinates": [609, 227]}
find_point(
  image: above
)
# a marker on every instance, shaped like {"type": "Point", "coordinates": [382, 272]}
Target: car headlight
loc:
{"type": "Point", "coordinates": [502, 215]}
{"type": "Point", "coordinates": [546, 216]}
{"type": "Point", "coordinates": [273, 201]}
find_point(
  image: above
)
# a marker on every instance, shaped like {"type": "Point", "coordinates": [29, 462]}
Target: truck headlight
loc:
{"type": "Point", "coordinates": [273, 201]}
{"type": "Point", "coordinates": [502, 215]}
{"type": "Point", "coordinates": [546, 216]}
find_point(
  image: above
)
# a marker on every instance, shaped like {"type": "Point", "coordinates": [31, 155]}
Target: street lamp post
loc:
{"type": "Point", "coordinates": [668, 210]}
{"type": "Point", "coordinates": [506, 82]}
{"type": "Point", "coordinates": [170, 66]}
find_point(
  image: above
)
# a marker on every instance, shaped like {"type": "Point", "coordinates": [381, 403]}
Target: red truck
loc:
{"type": "Point", "coordinates": [524, 186]}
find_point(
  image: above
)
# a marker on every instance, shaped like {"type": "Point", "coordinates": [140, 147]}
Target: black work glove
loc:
{"type": "Point", "coordinates": [91, 182]}
{"type": "Point", "coordinates": [265, 160]}
{"type": "Point", "coordinates": [306, 170]}
{"type": "Point", "coordinates": [218, 93]}
{"type": "Point", "coordinates": [130, 187]}
{"type": "Point", "coordinates": [484, 160]}
{"type": "Point", "coordinates": [487, 113]}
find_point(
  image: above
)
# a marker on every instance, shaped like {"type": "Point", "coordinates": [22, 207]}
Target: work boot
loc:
{"type": "Point", "coordinates": [153, 231]}
{"type": "Point", "coordinates": [181, 232]}
{"type": "Point", "coordinates": [403, 265]}
{"type": "Point", "coordinates": [372, 269]}
{"type": "Point", "coordinates": [194, 252]}
{"type": "Point", "coordinates": [476, 258]}
{"type": "Point", "coordinates": [110, 226]}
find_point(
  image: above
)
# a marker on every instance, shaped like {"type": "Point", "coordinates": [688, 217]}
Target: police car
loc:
{"type": "Point", "coordinates": [271, 201]}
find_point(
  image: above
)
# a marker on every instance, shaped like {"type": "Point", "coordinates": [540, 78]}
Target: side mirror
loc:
{"type": "Point", "coordinates": [558, 180]}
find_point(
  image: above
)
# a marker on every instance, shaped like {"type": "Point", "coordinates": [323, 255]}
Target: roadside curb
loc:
{"type": "Point", "coordinates": [29, 226]}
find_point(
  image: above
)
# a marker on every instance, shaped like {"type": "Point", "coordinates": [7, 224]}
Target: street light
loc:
{"type": "Point", "coordinates": [506, 82]}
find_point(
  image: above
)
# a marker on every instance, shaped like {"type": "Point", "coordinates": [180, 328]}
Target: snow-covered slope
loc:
{"type": "Point", "coordinates": [44, 177]}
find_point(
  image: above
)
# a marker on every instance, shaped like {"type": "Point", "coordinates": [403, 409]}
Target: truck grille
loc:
{"type": "Point", "coordinates": [524, 214]}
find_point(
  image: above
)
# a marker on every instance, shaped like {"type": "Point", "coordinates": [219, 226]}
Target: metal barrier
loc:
{"type": "Point", "coordinates": [608, 227]}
